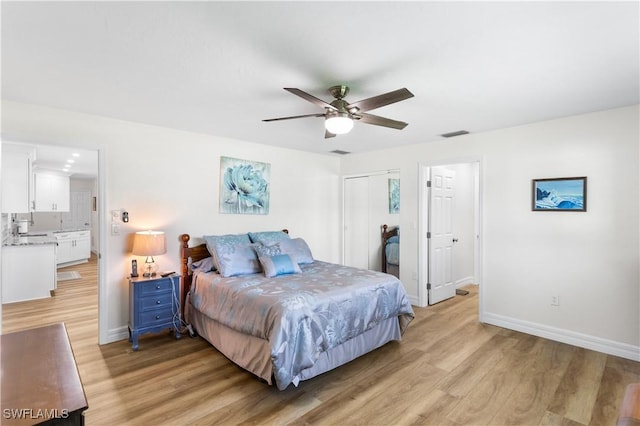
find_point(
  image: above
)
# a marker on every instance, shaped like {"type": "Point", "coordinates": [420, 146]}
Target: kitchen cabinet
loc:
{"type": "Point", "coordinates": [73, 247]}
{"type": "Point", "coordinates": [51, 192]}
{"type": "Point", "coordinates": [28, 272]}
{"type": "Point", "coordinates": [16, 178]}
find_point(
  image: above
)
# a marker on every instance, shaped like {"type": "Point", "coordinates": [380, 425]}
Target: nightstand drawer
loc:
{"type": "Point", "coordinates": [159, 316]}
{"type": "Point", "coordinates": [154, 305]}
{"type": "Point", "coordinates": [155, 301]}
{"type": "Point", "coordinates": [156, 286]}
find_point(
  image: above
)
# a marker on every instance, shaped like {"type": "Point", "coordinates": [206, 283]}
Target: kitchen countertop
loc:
{"type": "Point", "coordinates": [70, 230]}
{"type": "Point", "coordinates": [37, 237]}
{"type": "Point", "coordinates": [29, 240]}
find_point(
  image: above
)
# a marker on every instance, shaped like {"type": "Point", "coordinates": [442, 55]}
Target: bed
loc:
{"type": "Point", "coordinates": [290, 326]}
{"type": "Point", "coordinates": [391, 250]}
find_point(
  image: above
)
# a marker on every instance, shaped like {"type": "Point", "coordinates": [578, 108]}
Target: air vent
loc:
{"type": "Point", "coordinates": [337, 151]}
{"type": "Point", "coordinates": [456, 133]}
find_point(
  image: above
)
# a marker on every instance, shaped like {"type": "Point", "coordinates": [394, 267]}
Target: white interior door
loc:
{"type": "Point", "coordinates": [440, 284]}
{"type": "Point", "coordinates": [79, 214]}
{"type": "Point", "coordinates": [356, 222]}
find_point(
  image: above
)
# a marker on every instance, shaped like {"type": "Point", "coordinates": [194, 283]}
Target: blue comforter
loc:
{"type": "Point", "coordinates": [302, 315]}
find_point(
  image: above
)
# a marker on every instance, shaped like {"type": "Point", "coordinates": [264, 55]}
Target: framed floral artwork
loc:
{"type": "Point", "coordinates": [244, 186]}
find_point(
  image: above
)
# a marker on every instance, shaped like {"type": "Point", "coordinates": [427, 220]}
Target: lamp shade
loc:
{"type": "Point", "coordinates": [149, 243]}
{"type": "Point", "coordinates": [339, 123]}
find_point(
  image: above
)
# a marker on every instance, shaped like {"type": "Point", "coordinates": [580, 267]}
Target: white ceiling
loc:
{"type": "Point", "coordinates": [78, 163]}
{"type": "Point", "coordinates": [220, 67]}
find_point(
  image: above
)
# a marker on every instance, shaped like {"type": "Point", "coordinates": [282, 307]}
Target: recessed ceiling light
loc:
{"type": "Point", "coordinates": [75, 154]}
{"type": "Point", "coordinates": [70, 161]}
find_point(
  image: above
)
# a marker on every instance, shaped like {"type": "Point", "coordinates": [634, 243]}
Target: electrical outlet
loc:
{"type": "Point", "coordinates": [555, 300]}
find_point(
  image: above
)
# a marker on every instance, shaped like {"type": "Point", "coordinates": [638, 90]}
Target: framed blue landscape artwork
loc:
{"type": "Point", "coordinates": [560, 194]}
{"type": "Point", "coordinates": [394, 196]}
{"type": "Point", "coordinates": [244, 186]}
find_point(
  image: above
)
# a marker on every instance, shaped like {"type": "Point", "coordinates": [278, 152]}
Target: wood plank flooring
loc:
{"type": "Point", "coordinates": [448, 370]}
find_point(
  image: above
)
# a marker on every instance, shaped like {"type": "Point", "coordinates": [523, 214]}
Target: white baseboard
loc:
{"type": "Point", "coordinates": [586, 341]}
{"type": "Point", "coordinates": [116, 334]}
{"type": "Point", "coordinates": [74, 262]}
{"type": "Point", "coordinates": [465, 281]}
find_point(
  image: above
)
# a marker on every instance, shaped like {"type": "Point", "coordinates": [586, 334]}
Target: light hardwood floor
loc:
{"type": "Point", "coordinates": [448, 370]}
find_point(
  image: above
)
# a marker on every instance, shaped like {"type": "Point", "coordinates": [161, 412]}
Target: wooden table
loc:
{"type": "Point", "coordinates": [40, 380]}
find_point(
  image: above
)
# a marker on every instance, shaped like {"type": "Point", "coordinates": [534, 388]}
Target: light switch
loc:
{"type": "Point", "coordinates": [115, 229]}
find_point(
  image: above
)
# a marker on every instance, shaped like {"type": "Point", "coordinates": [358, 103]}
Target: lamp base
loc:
{"type": "Point", "coordinates": [150, 268]}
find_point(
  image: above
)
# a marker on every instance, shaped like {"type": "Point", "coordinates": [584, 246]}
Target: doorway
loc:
{"type": "Point", "coordinates": [450, 256]}
{"type": "Point", "coordinates": [89, 177]}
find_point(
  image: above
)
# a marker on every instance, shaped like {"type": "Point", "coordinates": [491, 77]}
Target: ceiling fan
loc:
{"type": "Point", "coordinates": [339, 114]}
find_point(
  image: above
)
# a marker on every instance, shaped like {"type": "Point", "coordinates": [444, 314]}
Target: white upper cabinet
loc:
{"type": "Point", "coordinates": [52, 192]}
{"type": "Point", "coordinates": [16, 178]}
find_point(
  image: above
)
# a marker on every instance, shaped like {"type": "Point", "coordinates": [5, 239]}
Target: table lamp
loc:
{"type": "Point", "coordinates": [149, 243]}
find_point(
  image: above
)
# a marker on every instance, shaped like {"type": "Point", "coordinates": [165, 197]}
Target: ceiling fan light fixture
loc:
{"type": "Point", "coordinates": [338, 124]}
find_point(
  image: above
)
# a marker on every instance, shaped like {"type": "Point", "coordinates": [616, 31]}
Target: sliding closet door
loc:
{"type": "Point", "coordinates": [356, 222]}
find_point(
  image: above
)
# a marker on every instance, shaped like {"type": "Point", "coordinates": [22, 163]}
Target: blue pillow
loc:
{"type": "Point", "coordinates": [262, 250]}
{"type": "Point", "coordinates": [298, 248]}
{"type": "Point", "coordinates": [232, 254]}
{"type": "Point", "coordinates": [235, 260]}
{"type": "Point", "coordinates": [280, 264]}
{"type": "Point", "coordinates": [268, 238]}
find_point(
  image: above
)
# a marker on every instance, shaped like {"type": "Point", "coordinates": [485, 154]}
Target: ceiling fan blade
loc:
{"type": "Point", "coordinates": [294, 116]}
{"type": "Point", "coordinates": [328, 134]}
{"type": "Point", "coordinates": [380, 100]}
{"type": "Point", "coordinates": [381, 121]}
{"type": "Point", "coordinates": [311, 98]}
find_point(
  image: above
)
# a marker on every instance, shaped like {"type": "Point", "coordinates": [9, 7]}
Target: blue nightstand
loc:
{"type": "Point", "coordinates": [154, 305]}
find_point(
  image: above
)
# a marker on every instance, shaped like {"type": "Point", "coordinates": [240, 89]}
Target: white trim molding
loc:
{"type": "Point", "coordinates": [465, 281]}
{"type": "Point", "coordinates": [116, 334]}
{"type": "Point", "coordinates": [586, 341]}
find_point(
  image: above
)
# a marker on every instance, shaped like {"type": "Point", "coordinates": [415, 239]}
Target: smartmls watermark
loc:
{"type": "Point", "coordinates": [34, 413]}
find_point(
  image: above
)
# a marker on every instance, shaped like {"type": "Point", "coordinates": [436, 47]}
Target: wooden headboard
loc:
{"type": "Point", "coordinates": [386, 234]}
{"type": "Point", "coordinates": [194, 254]}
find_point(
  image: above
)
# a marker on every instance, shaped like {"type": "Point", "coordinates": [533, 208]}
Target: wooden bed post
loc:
{"type": "Point", "coordinates": [186, 278]}
{"type": "Point", "coordinates": [383, 265]}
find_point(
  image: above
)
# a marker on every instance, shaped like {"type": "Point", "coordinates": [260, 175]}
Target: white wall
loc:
{"type": "Point", "coordinates": [169, 180]}
{"type": "Point", "coordinates": [590, 260]}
